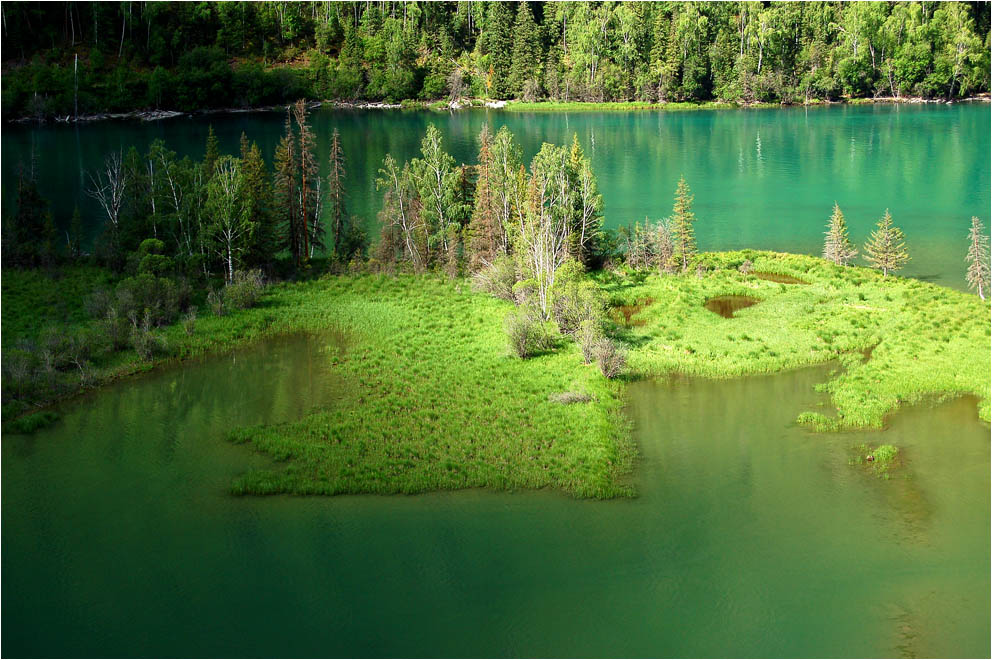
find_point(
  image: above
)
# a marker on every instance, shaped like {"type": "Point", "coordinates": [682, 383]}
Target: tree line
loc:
{"type": "Point", "coordinates": [178, 55]}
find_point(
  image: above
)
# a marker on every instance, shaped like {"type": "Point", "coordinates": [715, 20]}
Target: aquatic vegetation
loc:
{"type": "Point", "coordinates": [878, 460]}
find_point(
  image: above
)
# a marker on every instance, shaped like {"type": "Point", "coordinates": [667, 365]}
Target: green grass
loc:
{"type": "Point", "coordinates": [436, 402]}
{"type": "Point", "coordinates": [35, 299]}
{"type": "Point", "coordinates": [923, 340]}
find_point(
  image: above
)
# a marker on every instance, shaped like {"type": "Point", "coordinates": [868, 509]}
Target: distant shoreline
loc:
{"type": "Point", "coordinates": [509, 106]}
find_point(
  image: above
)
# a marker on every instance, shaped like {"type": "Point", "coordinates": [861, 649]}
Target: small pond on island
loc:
{"type": "Point", "coordinates": [750, 536]}
{"type": "Point", "coordinates": [725, 306]}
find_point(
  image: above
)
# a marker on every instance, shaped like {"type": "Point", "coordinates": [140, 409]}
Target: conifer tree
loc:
{"type": "Point", "coordinates": [257, 191]}
{"type": "Point", "coordinates": [310, 198]}
{"type": "Point", "coordinates": [498, 44]}
{"type": "Point", "coordinates": [683, 235]}
{"type": "Point", "coordinates": [212, 153]}
{"type": "Point", "coordinates": [485, 232]}
{"type": "Point", "coordinates": [838, 247]}
{"type": "Point", "coordinates": [526, 50]}
{"type": "Point", "coordinates": [886, 250]}
{"type": "Point", "coordinates": [284, 191]}
{"type": "Point", "coordinates": [978, 258]}
{"type": "Point", "coordinates": [335, 196]}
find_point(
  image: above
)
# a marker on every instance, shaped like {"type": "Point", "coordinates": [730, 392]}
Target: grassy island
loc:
{"type": "Point", "coordinates": [436, 401]}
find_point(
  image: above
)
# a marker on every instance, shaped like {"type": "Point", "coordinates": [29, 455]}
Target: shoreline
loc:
{"type": "Point", "coordinates": [492, 104]}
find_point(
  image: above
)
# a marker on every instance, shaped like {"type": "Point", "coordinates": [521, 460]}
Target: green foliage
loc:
{"type": "Point", "coordinates": [217, 54]}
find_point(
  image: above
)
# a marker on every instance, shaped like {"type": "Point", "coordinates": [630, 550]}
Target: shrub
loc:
{"type": "Point", "coordinates": [189, 321]}
{"type": "Point", "coordinates": [745, 267]}
{"type": "Point", "coordinates": [244, 290]}
{"type": "Point", "coordinates": [216, 303]}
{"type": "Point", "coordinates": [575, 302]}
{"type": "Point", "coordinates": [497, 278]}
{"type": "Point", "coordinates": [588, 336]}
{"type": "Point", "coordinates": [611, 357]}
{"type": "Point", "coordinates": [527, 333]}
{"type": "Point", "coordinates": [145, 343]}
{"type": "Point", "coordinates": [521, 333]}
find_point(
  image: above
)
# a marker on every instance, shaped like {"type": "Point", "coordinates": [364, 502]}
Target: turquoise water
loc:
{"type": "Point", "coordinates": [750, 536]}
{"type": "Point", "coordinates": [762, 178]}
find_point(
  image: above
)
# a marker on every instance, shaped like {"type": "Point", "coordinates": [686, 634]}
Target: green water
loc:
{"type": "Point", "coordinates": [762, 178]}
{"type": "Point", "coordinates": [750, 537]}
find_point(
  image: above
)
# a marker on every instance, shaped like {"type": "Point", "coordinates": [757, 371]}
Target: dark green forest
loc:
{"type": "Point", "coordinates": [72, 58]}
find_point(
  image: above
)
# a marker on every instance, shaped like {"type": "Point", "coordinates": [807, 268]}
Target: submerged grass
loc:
{"type": "Point", "coordinates": [922, 339]}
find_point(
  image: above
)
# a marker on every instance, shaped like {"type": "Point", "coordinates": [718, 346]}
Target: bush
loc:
{"type": "Point", "coordinates": [145, 343]}
{"type": "Point", "coordinates": [589, 336]}
{"type": "Point", "coordinates": [611, 357]}
{"type": "Point", "coordinates": [216, 302]}
{"type": "Point", "coordinates": [527, 334]}
{"type": "Point", "coordinates": [189, 322]}
{"type": "Point", "coordinates": [498, 278]}
{"type": "Point", "coordinates": [245, 290]}
{"type": "Point", "coordinates": [574, 303]}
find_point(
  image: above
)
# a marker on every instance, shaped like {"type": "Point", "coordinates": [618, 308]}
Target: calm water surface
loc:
{"type": "Point", "coordinates": [762, 178]}
{"type": "Point", "coordinates": [750, 537]}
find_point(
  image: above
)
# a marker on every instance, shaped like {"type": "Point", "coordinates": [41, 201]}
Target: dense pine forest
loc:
{"type": "Point", "coordinates": [63, 59]}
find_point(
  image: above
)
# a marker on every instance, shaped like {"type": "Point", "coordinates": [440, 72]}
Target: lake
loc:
{"type": "Point", "coordinates": [750, 536]}
{"type": "Point", "coordinates": [762, 178]}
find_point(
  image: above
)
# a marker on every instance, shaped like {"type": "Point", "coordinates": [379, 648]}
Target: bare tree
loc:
{"type": "Point", "coordinates": [108, 187]}
{"type": "Point", "coordinates": [978, 258]}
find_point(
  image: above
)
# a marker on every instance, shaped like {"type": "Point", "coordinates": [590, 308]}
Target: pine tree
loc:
{"type": "Point", "coordinates": [484, 228]}
{"type": "Point", "coordinates": [498, 43]}
{"type": "Point", "coordinates": [886, 250]}
{"type": "Point", "coordinates": [335, 196]}
{"type": "Point", "coordinates": [684, 238]}
{"type": "Point", "coordinates": [257, 191]}
{"type": "Point", "coordinates": [310, 200]}
{"type": "Point", "coordinates": [212, 153]}
{"type": "Point", "coordinates": [978, 258]}
{"type": "Point", "coordinates": [526, 50]}
{"type": "Point", "coordinates": [286, 196]}
{"type": "Point", "coordinates": [838, 247]}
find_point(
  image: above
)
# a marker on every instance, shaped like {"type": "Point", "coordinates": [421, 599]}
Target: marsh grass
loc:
{"type": "Point", "coordinates": [921, 339]}
{"type": "Point", "coordinates": [435, 402]}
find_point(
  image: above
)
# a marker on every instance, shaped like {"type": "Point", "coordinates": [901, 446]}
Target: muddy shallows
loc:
{"type": "Point", "coordinates": [725, 306]}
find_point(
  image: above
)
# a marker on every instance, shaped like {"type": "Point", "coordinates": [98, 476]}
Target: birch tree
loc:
{"type": "Point", "coordinates": [231, 225]}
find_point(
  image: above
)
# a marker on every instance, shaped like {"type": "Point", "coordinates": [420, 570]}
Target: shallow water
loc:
{"type": "Point", "coordinates": [726, 306]}
{"type": "Point", "coordinates": [765, 179]}
{"type": "Point", "coordinates": [750, 537]}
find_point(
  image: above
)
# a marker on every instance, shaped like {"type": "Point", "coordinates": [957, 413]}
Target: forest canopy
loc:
{"type": "Point", "coordinates": [67, 58]}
